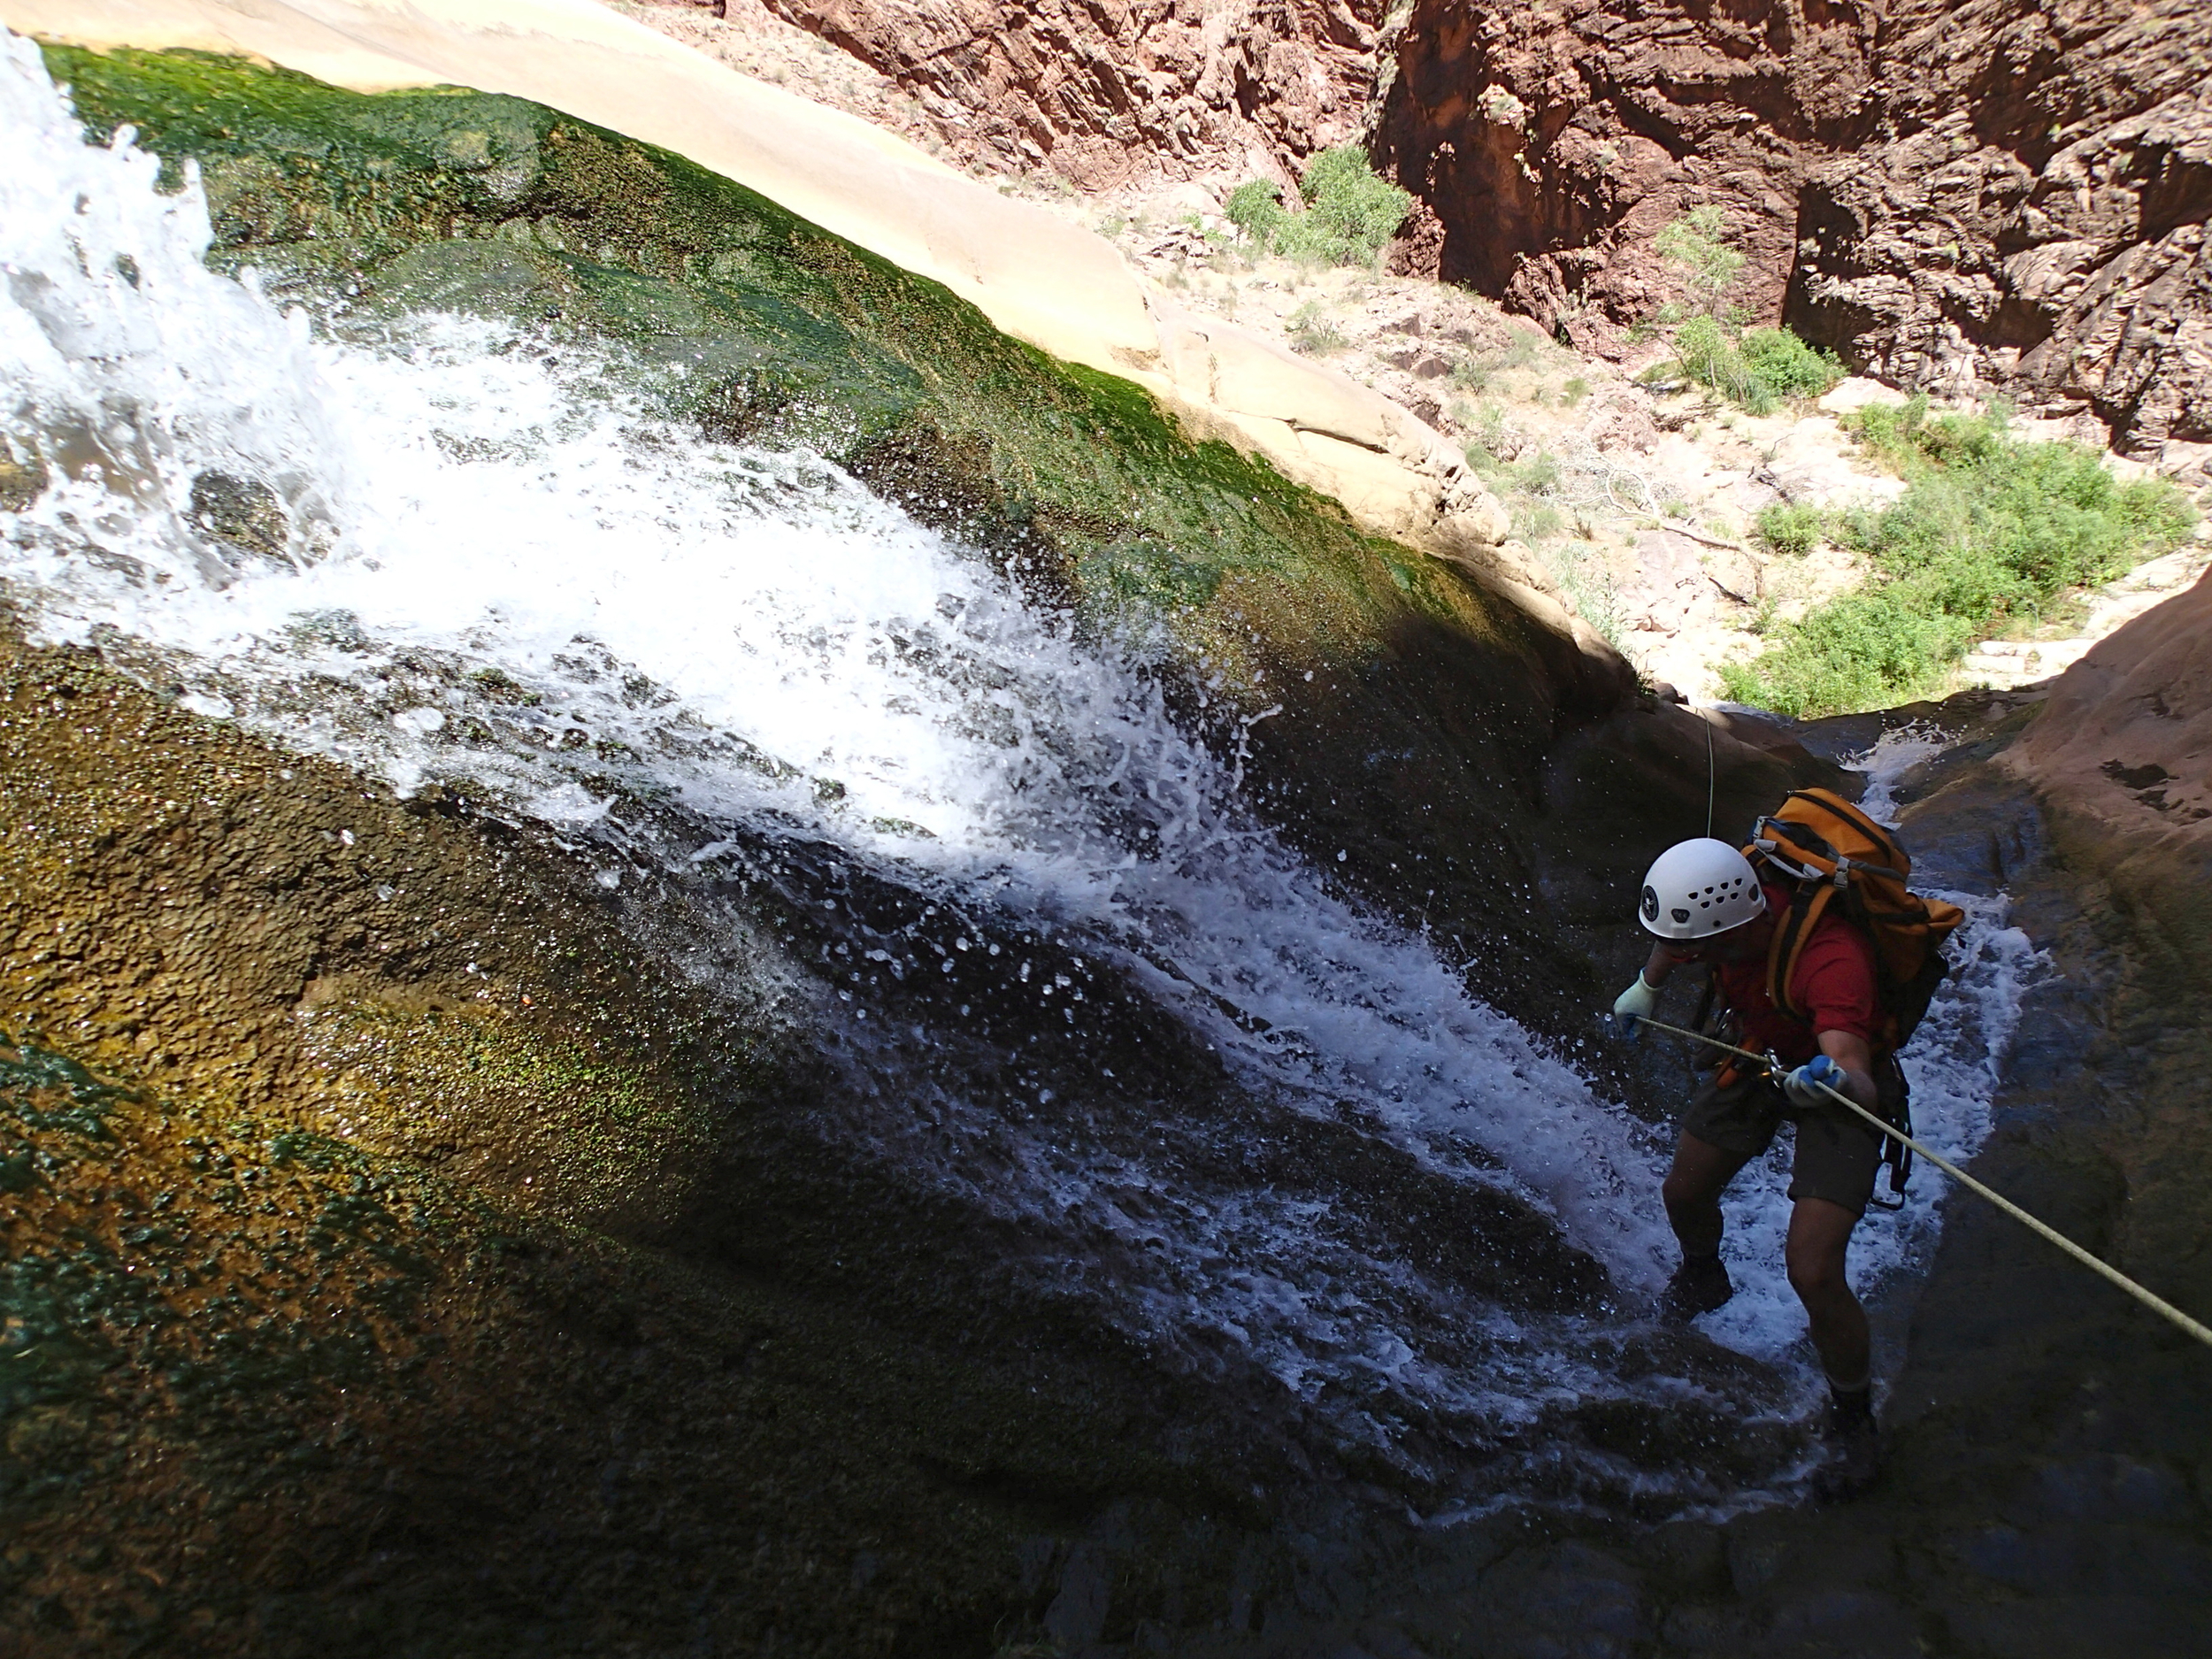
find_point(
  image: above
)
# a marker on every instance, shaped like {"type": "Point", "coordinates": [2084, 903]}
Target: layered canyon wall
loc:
{"type": "Point", "coordinates": [1997, 195]}
{"type": "Point", "coordinates": [1133, 91]}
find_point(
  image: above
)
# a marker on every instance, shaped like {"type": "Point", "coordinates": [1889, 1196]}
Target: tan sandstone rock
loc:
{"type": "Point", "coordinates": [2125, 736]}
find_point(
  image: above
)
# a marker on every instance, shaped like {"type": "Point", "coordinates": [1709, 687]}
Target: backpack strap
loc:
{"type": "Point", "coordinates": [1792, 929]}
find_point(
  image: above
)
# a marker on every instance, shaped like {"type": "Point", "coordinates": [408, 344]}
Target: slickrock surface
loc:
{"type": "Point", "coordinates": [1997, 193]}
{"type": "Point", "coordinates": [2126, 737]}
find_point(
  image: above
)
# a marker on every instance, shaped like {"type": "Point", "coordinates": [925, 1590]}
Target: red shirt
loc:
{"type": "Point", "coordinates": [1834, 983]}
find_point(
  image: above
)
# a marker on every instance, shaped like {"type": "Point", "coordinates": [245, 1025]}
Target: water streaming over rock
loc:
{"type": "Point", "coordinates": [963, 848]}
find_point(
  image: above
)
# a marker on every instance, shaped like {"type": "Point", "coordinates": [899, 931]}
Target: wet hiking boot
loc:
{"type": "Point", "coordinates": [1699, 1285]}
{"type": "Point", "coordinates": [1854, 1449]}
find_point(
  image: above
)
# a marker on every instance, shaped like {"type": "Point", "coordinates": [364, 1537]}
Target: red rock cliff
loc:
{"type": "Point", "coordinates": [1999, 191]}
{"type": "Point", "coordinates": [1104, 92]}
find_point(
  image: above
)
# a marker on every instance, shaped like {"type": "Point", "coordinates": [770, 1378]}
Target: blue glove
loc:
{"type": "Point", "coordinates": [1802, 1086]}
{"type": "Point", "coordinates": [1632, 1004]}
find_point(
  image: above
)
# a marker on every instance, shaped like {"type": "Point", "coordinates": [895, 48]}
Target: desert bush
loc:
{"type": "Point", "coordinates": [1313, 332]}
{"type": "Point", "coordinates": [1785, 364]}
{"type": "Point", "coordinates": [1350, 213]}
{"type": "Point", "coordinates": [1790, 529]}
{"type": "Point", "coordinates": [1695, 247]}
{"type": "Point", "coordinates": [1756, 369]}
{"type": "Point", "coordinates": [1990, 533]}
{"type": "Point", "coordinates": [1256, 208]}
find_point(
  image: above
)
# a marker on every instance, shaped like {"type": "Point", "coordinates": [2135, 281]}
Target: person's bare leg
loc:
{"type": "Point", "coordinates": [1692, 1191]}
{"type": "Point", "coordinates": [1820, 1234]}
{"type": "Point", "coordinates": [1692, 1195]}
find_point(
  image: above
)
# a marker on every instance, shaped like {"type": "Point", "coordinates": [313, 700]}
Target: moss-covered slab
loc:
{"type": "Point", "coordinates": [771, 329]}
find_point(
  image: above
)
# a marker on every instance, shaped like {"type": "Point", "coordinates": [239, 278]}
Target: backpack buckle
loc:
{"type": "Point", "coordinates": [1843, 874]}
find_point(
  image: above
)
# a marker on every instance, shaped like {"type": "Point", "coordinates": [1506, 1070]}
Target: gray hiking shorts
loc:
{"type": "Point", "coordinates": [1838, 1155]}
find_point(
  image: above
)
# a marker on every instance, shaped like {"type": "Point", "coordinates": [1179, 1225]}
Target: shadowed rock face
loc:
{"type": "Point", "coordinates": [1994, 192]}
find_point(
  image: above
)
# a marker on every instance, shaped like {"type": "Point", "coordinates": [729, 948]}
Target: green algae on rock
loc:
{"type": "Point", "coordinates": [357, 1171]}
{"type": "Point", "coordinates": [763, 327]}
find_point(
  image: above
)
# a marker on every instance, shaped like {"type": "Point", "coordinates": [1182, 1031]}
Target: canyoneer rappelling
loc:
{"type": "Point", "coordinates": [1819, 958]}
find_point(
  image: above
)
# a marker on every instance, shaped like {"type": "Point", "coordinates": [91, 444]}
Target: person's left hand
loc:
{"type": "Point", "coordinates": [1803, 1085]}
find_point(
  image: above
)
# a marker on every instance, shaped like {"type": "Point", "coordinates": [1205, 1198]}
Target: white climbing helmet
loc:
{"type": "Point", "coordinates": [1695, 890]}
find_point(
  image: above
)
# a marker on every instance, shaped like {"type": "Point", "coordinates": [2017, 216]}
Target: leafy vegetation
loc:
{"type": "Point", "coordinates": [1256, 208]}
{"type": "Point", "coordinates": [1313, 333]}
{"type": "Point", "coordinates": [1790, 529]}
{"type": "Point", "coordinates": [1757, 369]}
{"type": "Point", "coordinates": [1694, 247]}
{"type": "Point", "coordinates": [1989, 534]}
{"type": "Point", "coordinates": [1349, 212]}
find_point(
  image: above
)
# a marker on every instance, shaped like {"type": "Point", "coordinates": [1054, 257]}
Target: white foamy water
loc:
{"type": "Point", "coordinates": [499, 568]}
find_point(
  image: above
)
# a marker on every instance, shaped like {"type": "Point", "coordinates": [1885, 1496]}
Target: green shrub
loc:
{"type": "Point", "coordinates": [1539, 474]}
{"type": "Point", "coordinates": [1864, 650]}
{"type": "Point", "coordinates": [1757, 370]}
{"type": "Point", "coordinates": [1256, 208]}
{"type": "Point", "coordinates": [1313, 332]}
{"type": "Point", "coordinates": [1988, 532]}
{"type": "Point", "coordinates": [1791, 529]}
{"type": "Point", "coordinates": [1693, 247]}
{"type": "Point", "coordinates": [1349, 215]}
{"type": "Point", "coordinates": [1787, 365]}
{"type": "Point", "coordinates": [1535, 521]}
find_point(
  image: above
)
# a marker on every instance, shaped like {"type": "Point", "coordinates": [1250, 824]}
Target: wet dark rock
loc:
{"type": "Point", "coordinates": [2047, 1480]}
{"type": "Point", "coordinates": [22, 483]}
{"type": "Point", "coordinates": [243, 514]}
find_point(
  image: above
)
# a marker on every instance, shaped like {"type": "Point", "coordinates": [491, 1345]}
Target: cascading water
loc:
{"type": "Point", "coordinates": [453, 554]}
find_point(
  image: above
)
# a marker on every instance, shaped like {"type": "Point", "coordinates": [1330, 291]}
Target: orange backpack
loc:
{"type": "Point", "coordinates": [1838, 859]}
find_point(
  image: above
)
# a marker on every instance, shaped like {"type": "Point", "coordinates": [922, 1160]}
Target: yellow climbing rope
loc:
{"type": "Point", "coordinates": [2156, 1304]}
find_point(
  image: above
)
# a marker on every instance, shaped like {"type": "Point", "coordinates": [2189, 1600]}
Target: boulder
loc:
{"type": "Point", "coordinates": [2123, 745]}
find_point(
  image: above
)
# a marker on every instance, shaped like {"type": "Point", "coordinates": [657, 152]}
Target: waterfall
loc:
{"type": "Point", "coordinates": [460, 555]}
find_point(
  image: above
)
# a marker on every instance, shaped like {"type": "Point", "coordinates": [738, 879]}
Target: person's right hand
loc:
{"type": "Point", "coordinates": [1641, 998]}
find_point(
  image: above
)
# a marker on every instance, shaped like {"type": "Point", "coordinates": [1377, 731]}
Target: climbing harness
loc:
{"type": "Point", "coordinates": [2156, 1304]}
